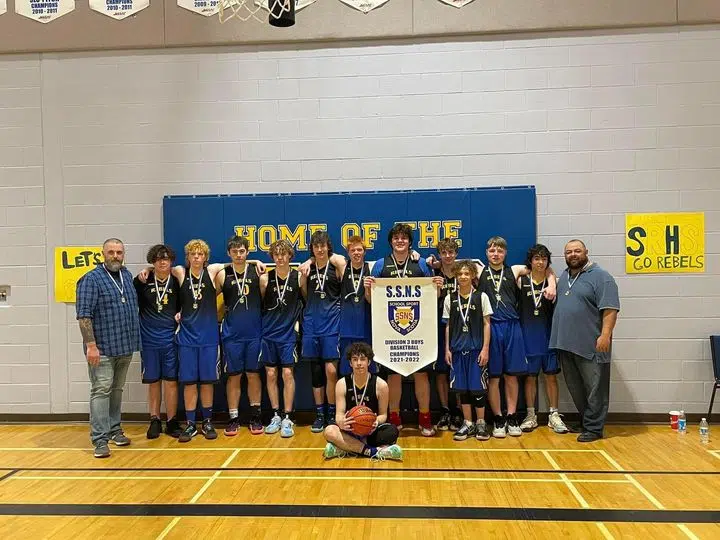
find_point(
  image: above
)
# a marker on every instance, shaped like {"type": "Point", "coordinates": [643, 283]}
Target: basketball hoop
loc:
{"type": "Point", "coordinates": [281, 13]}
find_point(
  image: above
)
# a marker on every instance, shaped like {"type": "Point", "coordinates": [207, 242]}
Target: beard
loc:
{"type": "Point", "coordinates": [114, 266]}
{"type": "Point", "coordinates": [577, 263]}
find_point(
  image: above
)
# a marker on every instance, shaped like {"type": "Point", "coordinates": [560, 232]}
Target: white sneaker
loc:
{"type": "Point", "coordinates": [556, 424]}
{"type": "Point", "coordinates": [286, 428]}
{"type": "Point", "coordinates": [499, 430]}
{"type": "Point", "coordinates": [512, 426]}
{"type": "Point", "coordinates": [530, 423]}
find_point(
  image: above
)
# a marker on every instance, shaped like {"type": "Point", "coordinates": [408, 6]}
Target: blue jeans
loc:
{"type": "Point", "coordinates": [106, 388]}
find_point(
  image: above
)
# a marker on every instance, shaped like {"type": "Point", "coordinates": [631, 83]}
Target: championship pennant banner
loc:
{"type": "Point", "coordinates": [118, 9]}
{"type": "Point", "coordinates": [44, 11]}
{"type": "Point", "coordinates": [72, 263]}
{"type": "Point", "coordinates": [404, 323]}
{"type": "Point", "coordinates": [665, 243]}
{"type": "Point", "coordinates": [3, 6]}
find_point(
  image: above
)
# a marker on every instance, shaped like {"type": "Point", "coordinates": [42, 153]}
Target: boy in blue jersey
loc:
{"type": "Point", "coordinates": [466, 313]}
{"type": "Point", "coordinates": [241, 333]}
{"type": "Point", "coordinates": [320, 325]}
{"type": "Point", "coordinates": [282, 308]}
{"type": "Point", "coordinates": [507, 349]}
{"type": "Point", "coordinates": [399, 264]}
{"type": "Point", "coordinates": [158, 303]}
{"type": "Point", "coordinates": [536, 315]}
{"type": "Point", "coordinates": [355, 323]}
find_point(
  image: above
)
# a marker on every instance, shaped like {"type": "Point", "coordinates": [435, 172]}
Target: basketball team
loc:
{"type": "Point", "coordinates": [494, 322]}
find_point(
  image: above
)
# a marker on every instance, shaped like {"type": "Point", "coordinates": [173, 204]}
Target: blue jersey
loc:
{"type": "Point", "coordinates": [243, 305]}
{"type": "Point", "coordinates": [504, 300]}
{"type": "Point", "coordinates": [466, 334]}
{"type": "Point", "coordinates": [322, 312]}
{"type": "Point", "coordinates": [354, 309]}
{"type": "Point", "coordinates": [536, 314]}
{"type": "Point", "coordinates": [281, 314]}
{"type": "Point", "coordinates": [388, 267]}
{"type": "Point", "coordinates": [158, 306]}
{"type": "Point", "coordinates": [198, 301]}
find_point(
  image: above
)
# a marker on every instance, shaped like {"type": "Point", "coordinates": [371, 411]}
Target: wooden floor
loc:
{"type": "Point", "coordinates": [641, 482]}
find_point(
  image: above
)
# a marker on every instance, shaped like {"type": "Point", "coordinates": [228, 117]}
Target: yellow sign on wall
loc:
{"type": "Point", "coordinates": [665, 243]}
{"type": "Point", "coordinates": [71, 263]}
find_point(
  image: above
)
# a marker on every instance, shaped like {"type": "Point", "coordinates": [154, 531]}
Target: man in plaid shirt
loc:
{"type": "Point", "coordinates": [107, 311]}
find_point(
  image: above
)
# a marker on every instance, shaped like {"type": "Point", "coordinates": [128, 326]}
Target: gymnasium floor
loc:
{"type": "Point", "coordinates": [641, 482]}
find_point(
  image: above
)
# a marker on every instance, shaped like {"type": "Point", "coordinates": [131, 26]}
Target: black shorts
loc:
{"type": "Point", "coordinates": [384, 435]}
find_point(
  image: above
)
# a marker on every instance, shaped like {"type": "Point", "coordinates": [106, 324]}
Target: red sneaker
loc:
{"type": "Point", "coordinates": [395, 420]}
{"type": "Point", "coordinates": [425, 424]}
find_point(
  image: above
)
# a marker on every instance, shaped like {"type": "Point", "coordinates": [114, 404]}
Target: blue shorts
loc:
{"type": "Point", "coordinates": [241, 356]}
{"type": "Point", "coordinates": [440, 365]}
{"type": "Point", "coordinates": [199, 364]}
{"type": "Point", "coordinates": [466, 373]}
{"type": "Point", "coordinates": [344, 364]}
{"type": "Point", "coordinates": [320, 348]}
{"type": "Point", "coordinates": [159, 364]}
{"type": "Point", "coordinates": [548, 362]}
{"type": "Point", "coordinates": [276, 353]}
{"type": "Point", "coordinates": [507, 349]}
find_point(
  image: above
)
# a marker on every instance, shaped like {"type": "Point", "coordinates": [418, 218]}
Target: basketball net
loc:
{"type": "Point", "coordinates": [244, 10]}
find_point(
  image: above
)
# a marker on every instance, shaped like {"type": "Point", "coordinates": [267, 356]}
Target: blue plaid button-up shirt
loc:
{"type": "Point", "coordinates": [116, 324]}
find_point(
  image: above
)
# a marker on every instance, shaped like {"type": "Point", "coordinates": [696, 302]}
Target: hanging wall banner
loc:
{"type": "Point", "coordinates": [456, 3]}
{"type": "Point", "coordinates": [208, 8]}
{"type": "Point", "coordinates": [665, 243]}
{"type": "Point", "coordinates": [404, 323]}
{"type": "Point", "coordinates": [364, 5]}
{"type": "Point", "coordinates": [72, 263]}
{"type": "Point", "coordinates": [299, 4]}
{"type": "Point", "coordinates": [118, 9]}
{"type": "Point", "coordinates": [44, 11]}
{"type": "Point", "coordinates": [3, 6]}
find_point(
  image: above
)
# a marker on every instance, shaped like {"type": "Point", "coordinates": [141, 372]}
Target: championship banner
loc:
{"type": "Point", "coordinates": [44, 11]}
{"type": "Point", "coordinates": [72, 263]}
{"type": "Point", "coordinates": [207, 8]}
{"type": "Point", "coordinates": [365, 5]}
{"type": "Point", "coordinates": [3, 6]}
{"type": "Point", "coordinates": [456, 3]}
{"type": "Point", "coordinates": [404, 323]}
{"type": "Point", "coordinates": [665, 243]}
{"type": "Point", "coordinates": [118, 9]}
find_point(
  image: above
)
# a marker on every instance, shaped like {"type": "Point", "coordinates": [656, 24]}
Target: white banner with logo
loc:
{"type": "Point", "coordinates": [3, 6]}
{"type": "Point", "coordinates": [44, 11]}
{"type": "Point", "coordinates": [364, 5]}
{"type": "Point", "coordinates": [404, 323]}
{"type": "Point", "coordinates": [456, 3]}
{"type": "Point", "coordinates": [208, 8]}
{"type": "Point", "coordinates": [118, 9]}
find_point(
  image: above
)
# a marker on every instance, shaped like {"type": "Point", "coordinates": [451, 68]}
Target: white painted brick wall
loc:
{"type": "Point", "coordinates": [601, 125]}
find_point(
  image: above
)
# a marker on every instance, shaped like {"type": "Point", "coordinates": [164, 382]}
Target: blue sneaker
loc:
{"type": "Point", "coordinates": [319, 424]}
{"type": "Point", "coordinates": [274, 425]}
{"type": "Point", "coordinates": [286, 428]}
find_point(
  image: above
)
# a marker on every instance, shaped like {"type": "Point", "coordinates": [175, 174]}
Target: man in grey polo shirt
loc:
{"type": "Point", "coordinates": [584, 319]}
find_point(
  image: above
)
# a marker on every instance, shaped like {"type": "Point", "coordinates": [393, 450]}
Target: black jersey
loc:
{"type": "Point", "coordinates": [158, 302]}
{"type": "Point", "coordinates": [322, 312]}
{"type": "Point", "coordinates": [466, 334]}
{"type": "Point", "coordinates": [354, 309]}
{"type": "Point", "coordinates": [370, 400]}
{"type": "Point", "coordinates": [505, 308]}
{"type": "Point", "coordinates": [282, 307]}
{"type": "Point", "coordinates": [536, 314]}
{"type": "Point", "coordinates": [448, 287]}
{"type": "Point", "coordinates": [198, 305]}
{"type": "Point", "coordinates": [389, 268]}
{"type": "Point", "coordinates": [243, 304]}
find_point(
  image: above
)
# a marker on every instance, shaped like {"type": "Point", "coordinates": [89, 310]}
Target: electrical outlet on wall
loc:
{"type": "Point", "coordinates": [4, 295]}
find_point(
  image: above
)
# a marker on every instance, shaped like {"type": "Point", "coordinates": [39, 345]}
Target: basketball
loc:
{"type": "Point", "coordinates": [364, 420]}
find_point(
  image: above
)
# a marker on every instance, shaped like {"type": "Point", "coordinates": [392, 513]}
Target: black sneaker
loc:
{"type": "Point", "coordinates": [464, 432]}
{"type": "Point", "coordinates": [155, 428]}
{"type": "Point", "coordinates": [188, 433]}
{"type": "Point", "coordinates": [208, 430]}
{"type": "Point", "coordinates": [513, 428]}
{"type": "Point", "coordinates": [319, 424]}
{"type": "Point", "coordinates": [172, 428]}
{"type": "Point", "coordinates": [499, 428]}
{"type": "Point", "coordinates": [102, 450]}
{"type": "Point", "coordinates": [456, 422]}
{"type": "Point", "coordinates": [481, 432]}
{"type": "Point", "coordinates": [444, 422]}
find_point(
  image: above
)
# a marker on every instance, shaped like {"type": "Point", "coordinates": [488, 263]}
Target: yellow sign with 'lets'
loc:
{"type": "Point", "coordinates": [71, 263]}
{"type": "Point", "coordinates": [665, 243]}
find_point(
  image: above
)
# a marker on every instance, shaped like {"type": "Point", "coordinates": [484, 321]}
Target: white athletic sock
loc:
{"type": "Point", "coordinates": [233, 413]}
{"type": "Point", "coordinates": [531, 411]}
{"type": "Point", "coordinates": [552, 410]}
{"type": "Point", "coordinates": [468, 423]}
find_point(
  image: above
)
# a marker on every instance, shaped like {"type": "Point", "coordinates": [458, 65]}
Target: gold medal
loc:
{"type": "Point", "coordinates": [322, 295]}
{"type": "Point", "coordinates": [159, 308]}
{"type": "Point", "coordinates": [195, 305]}
{"type": "Point", "coordinates": [122, 299]}
{"type": "Point", "coordinates": [466, 329]}
{"type": "Point", "coordinates": [242, 300]}
{"type": "Point", "coordinates": [357, 299]}
{"type": "Point", "coordinates": [536, 312]}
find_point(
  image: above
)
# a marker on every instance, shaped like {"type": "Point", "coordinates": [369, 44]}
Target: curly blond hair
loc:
{"type": "Point", "coordinates": [197, 245]}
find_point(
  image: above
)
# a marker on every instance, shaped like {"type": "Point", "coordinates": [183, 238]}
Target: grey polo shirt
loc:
{"type": "Point", "coordinates": [577, 321]}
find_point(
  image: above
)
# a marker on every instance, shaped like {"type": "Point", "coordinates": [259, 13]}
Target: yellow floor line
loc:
{"type": "Point", "coordinates": [291, 449]}
{"type": "Point", "coordinates": [564, 479]}
{"type": "Point", "coordinates": [604, 530]}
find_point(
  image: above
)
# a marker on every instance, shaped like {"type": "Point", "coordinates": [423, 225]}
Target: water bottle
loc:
{"type": "Point", "coordinates": [682, 423]}
{"type": "Point", "coordinates": [704, 431]}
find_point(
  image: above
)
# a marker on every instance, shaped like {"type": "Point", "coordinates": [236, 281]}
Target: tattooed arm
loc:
{"type": "Point", "coordinates": [88, 335]}
{"type": "Point", "coordinates": [86, 302]}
